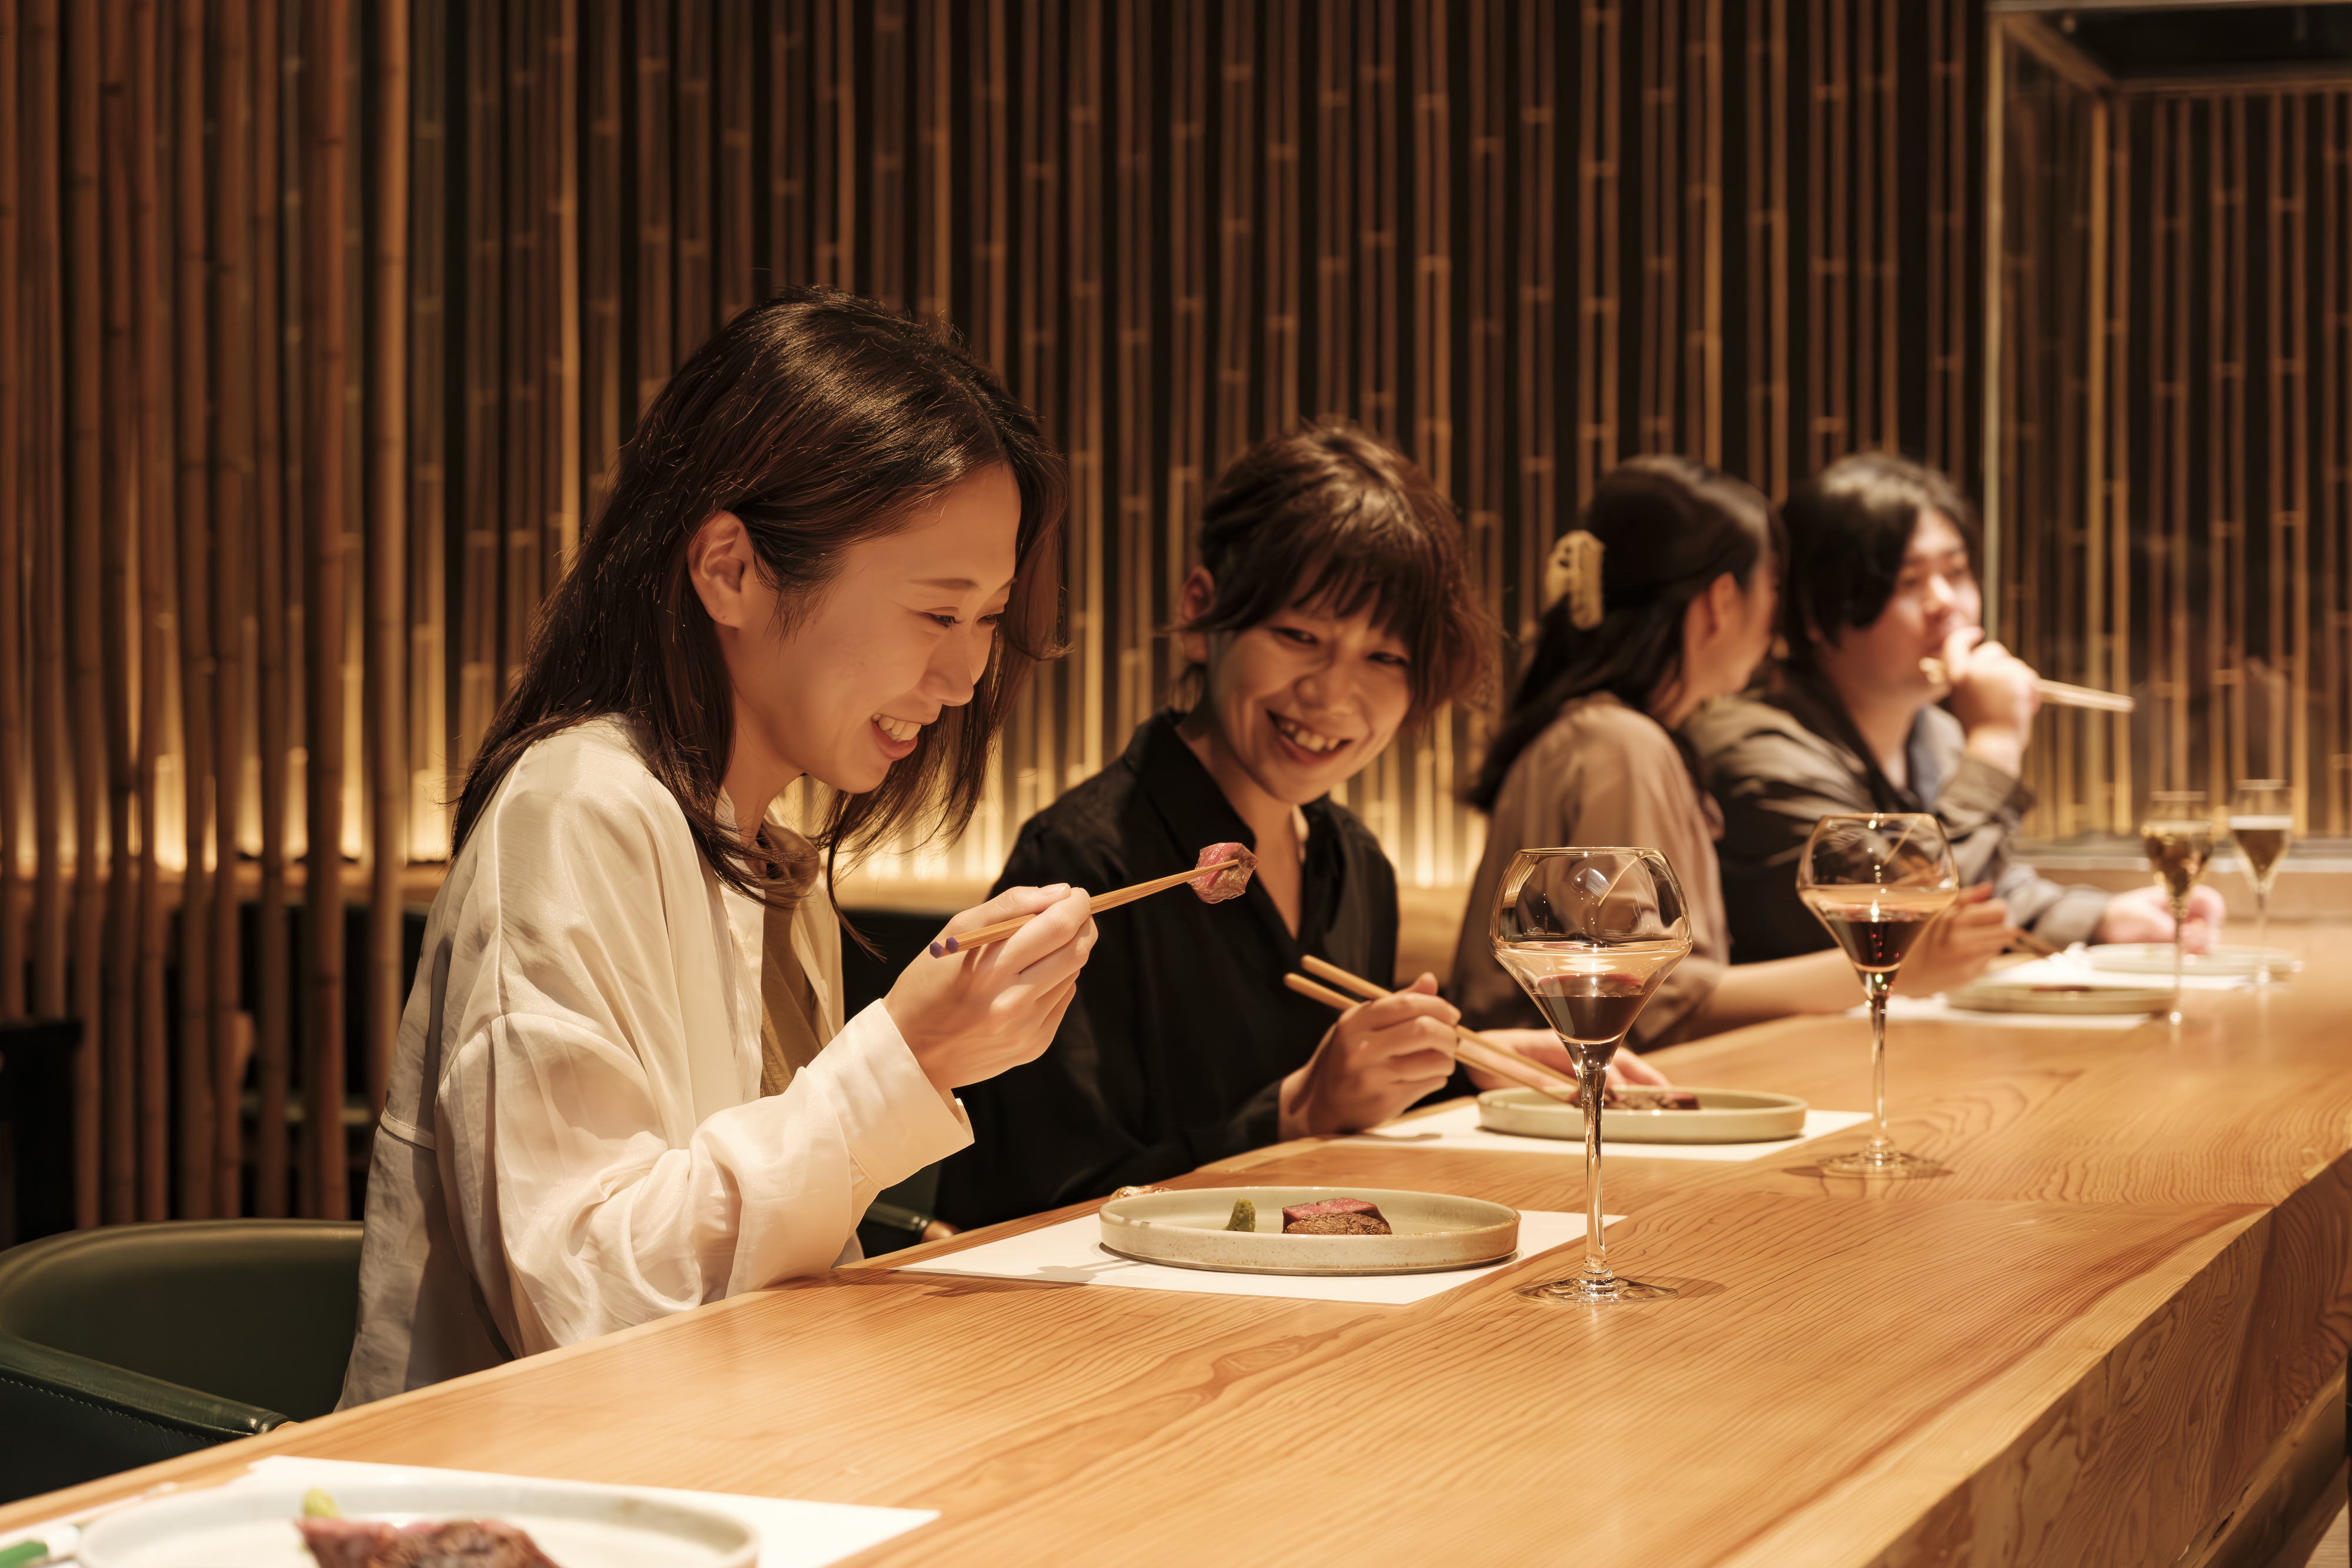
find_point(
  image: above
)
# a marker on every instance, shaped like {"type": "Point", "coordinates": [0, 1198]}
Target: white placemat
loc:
{"type": "Point", "coordinates": [792, 1534]}
{"type": "Point", "coordinates": [1072, 1253]}
{"type": "Point", "coordinates": [1936, 1009]}
{"type": "Point", "coordinates": [1458, 1128]}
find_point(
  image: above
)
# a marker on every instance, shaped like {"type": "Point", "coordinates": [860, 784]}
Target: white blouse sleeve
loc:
{"type": "Point", "coordinates": [599, 1145]}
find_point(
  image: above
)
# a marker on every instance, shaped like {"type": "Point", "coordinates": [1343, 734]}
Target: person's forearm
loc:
{"type": "Point", "coordinates": [1820, 982]}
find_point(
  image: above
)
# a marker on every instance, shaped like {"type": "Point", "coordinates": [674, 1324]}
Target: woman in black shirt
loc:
{"type": "Point", "coordinates": [1328, 612]}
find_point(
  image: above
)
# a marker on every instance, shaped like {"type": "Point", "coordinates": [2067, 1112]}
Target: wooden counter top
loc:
{"type": "Point", "coordinates": [2074, 1349]}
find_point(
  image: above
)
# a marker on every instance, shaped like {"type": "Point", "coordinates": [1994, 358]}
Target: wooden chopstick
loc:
{"type": "Point", "coordinates": [966, 941]}
{"type": "Point", "coordinates": [2021, 937]}
{"type": "Point", "coordinates": [2057, 692]}
{"type": "Point", "coordinates": [1372, 991]}
{"type": "Point", "coordinates": [1476, 1048]}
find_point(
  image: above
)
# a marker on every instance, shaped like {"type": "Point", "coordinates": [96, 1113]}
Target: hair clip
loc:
{"type": "Point", "coordinates": [1573, 573]}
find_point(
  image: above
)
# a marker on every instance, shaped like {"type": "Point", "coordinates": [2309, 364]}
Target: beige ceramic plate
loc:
{"type": "Point", "coordinates": [1991, 995]}
{"type": "Point", "coordinates": [577, 1525]}
{"type": "Point", "coordinates": [1435, 1232]}
{"type": "Point", "coordinates": [1723, 1116]}
{"type": "Point", "coordinates": [2156, 958]}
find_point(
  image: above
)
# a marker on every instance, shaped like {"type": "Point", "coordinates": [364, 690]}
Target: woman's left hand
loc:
{"type": "Point", "coordinates": [1543, 1046]}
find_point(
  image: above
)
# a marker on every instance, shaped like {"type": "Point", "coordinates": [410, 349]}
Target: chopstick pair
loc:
{"type": "Point", "coordinates": [967, 941]}
{"type": "Point", "coordinates": [2056, 692]}
{"type": "Point", "coordinates": [1474, 1048]}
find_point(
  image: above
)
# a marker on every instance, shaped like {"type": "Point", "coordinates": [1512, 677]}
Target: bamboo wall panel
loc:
{"type": "Point", "coordinates": [325, 320]}
{"type": "Point", "coordinates": [2174, 387]}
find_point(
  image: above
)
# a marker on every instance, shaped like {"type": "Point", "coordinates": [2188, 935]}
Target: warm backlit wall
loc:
{"type": "Point", "coordinates": [325, 320]}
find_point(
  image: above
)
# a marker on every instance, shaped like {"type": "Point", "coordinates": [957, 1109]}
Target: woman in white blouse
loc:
{"type": "Point", "coordinates": [624, 1086]}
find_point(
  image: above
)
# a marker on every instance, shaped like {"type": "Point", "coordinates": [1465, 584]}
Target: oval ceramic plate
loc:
{"type": "Point", "coordinates": [576, 1525]}
{"type": "Point", "coordinates": [1991, 996]}
{"type": "Point", "coordinates": [1723, 1116]}
{"type": "Point", "coordinates": [1434, 1231]}
{"type": "Point", "coordinates": [2156, 958]}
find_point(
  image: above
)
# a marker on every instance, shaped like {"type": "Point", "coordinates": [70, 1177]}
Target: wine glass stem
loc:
{"type": "Point", "coordinates": [1877, 986]}
{"type": "Point", "coordinates": [2262, 933]}
{"type": "Point", "coordinates": [2180, 948]}
{"type": "Point", "coordinates": [1592, 1071]}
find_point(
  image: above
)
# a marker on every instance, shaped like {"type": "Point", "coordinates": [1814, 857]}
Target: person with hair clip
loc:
{"type": "Point", "coordinates": [1661, 598]}
{"type": "Point", "coordinates": [1889, 698]}
{"type": "Point", "coordinates": [622, 1085]}
{"type": "Point", "coordinates": [1331, 611]}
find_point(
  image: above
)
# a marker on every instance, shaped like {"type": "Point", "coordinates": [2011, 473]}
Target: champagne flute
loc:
{"type": "Point", "coordinates": [2178, 838]}
{"type": "Point", "coordinates": [2261, 820]}
{"type": "Point", "coordinates": [1589, 933]}
{"type": "Point", "coordinates": [1876, 881]}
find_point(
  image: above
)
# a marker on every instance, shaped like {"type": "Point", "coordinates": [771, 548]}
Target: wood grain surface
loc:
{"type": "Point", "coordinates": [2077, 1348]}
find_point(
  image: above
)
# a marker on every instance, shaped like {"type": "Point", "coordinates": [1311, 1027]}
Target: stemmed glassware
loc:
{"type": "Point", "coordinates": [2261, 820]}
{"type": "Point", "coordinates": [1589, 933]}
{"type": "Point", "coordinates": [1876, 881]}
{"type": "Point", "coordinates": [2178, 835]}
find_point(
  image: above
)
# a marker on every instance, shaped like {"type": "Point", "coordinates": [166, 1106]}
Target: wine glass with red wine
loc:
{"type": "Point", "coordinates": [1877, 882]}
{"type": "Point", "coordinates": [1589, 933]}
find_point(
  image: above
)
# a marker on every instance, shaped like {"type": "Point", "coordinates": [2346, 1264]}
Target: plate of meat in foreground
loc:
{"type": "Point", "coordinates": [1309, 1230]}
{"type": "Point", "coordinates": [518, 1523]}
{"type": "Point", "coordinates": [1649, 1116]}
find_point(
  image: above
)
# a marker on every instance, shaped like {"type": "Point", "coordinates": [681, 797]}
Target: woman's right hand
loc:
{"type": "Point", "coordinates": [1964, 940]}
{"type": "Point", "coordinates": [970, 1016]}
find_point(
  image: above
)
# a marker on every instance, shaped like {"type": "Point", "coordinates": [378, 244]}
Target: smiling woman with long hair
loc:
{"type": "Point", "coordinates": [624, 1086]}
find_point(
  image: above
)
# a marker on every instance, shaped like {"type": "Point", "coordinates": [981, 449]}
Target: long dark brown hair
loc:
{"type": "Point", "coordinates": [1326, 515]}
{"type": "Point", "coordinates": [820, 420]}
{"type": "Point", "coordinates": [1668, 527]}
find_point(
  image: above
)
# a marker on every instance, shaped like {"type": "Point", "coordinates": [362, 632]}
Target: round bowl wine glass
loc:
{"type": "Point", "coordinates": [2179, 839]}
{"type": "Point", "coordinates": [1876, 881]}
{"type": "Point", "coordinates": [2261, 820]}
{"type": "Point", "coordinates": [1589, 933]}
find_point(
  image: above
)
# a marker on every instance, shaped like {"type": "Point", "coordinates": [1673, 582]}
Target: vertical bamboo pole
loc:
{"type": "Point", "coordinates": [232, 505]}
{"type": "Point", "coordinates": [326, 53]}
{"type": "Point", "coordinates": [2117, 466]}
{"type": "Point", "coordinates": [478, 332]}
{"type": "Point", "coordinates": [1082, 189]}
{"type": "Point", "coordinates": [429, 327]}
{"type": "Point", "coordinates": [116, 958]}
{"type": "Point", "coordinates": [522, 360]}
{"type": "Point", "coordinates": [1037, 286]}
{"type": "Point", "coordinates": [272, 1005]}
{"type": "Point", "coordinates": [834, 185]}
{"type": "Point", "coordinates": [1132, 118]}
{"type": "Point", "coordinates": [85, 459]}
{"type": "Point", "coordinates": [44, 482]}
{"type": "Point", "coordinates": [602, 234]}
{"type": "Point", "coordinates": [1486, 484]}
{"type": "Point", "coordinates": [691, 152]}
{"type": "Point", "coordinates": [199, 681]}
{"type": "Point", "coordinates": [387, 543]}
{"type": "Point", "coordinates": [790, 250]}
{"type": "Point", "coordinates": [738, 214]}
{"type": "Point", "coordinates": [1657, 211]}
{"type": "Point", "coordinates": [886, 155]}
{"type": "Point", "coordinates": [1536, 282]}
{"type": "Point", "coordinates": [1595, 414]}
{"type": "Point", "coordinates": [560, 95]}
{"type": "Point", "coordinates": [158, 562]}
{"type": "Point", "coordinates": [656, 295]}
{"type": "Point", "coordinates": [1187, 288]}
{"type": "Point", "coordinates": [13, 738]}
{"type": "Point", "coordinates": [1433, 386]}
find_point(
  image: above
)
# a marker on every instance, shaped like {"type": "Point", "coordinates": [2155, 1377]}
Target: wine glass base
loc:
{"type": "Point", "coordinates": [1583, 1293]}
{"type": "Point", "coordinates": [1880, 1163]}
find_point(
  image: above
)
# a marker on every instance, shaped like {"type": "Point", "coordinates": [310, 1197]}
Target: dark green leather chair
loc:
{"type": "Point", "coordinates": [136, 1343]}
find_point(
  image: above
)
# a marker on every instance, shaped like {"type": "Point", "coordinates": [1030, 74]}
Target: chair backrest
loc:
{"type": "Point", "coordinates": [260, 1312]}
{"type": "Point", "coordinates": [65, 1421]}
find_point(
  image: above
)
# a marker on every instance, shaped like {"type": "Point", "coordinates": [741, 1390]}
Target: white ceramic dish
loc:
{"type": "Point", "coordinates": [1434, 1231]}
{"type": "Point", "coordinates": [2091, 997]}
{"type": "Point", "coordinates": [2156, 958]}
{"type": "Point", "coordinates": [1723, 1116]}
{"type": "Point", "coordinates": [576, 1525]}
